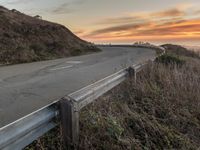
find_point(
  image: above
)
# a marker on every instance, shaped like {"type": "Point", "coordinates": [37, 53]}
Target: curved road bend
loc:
{"type": "Point", "coordinates": [25, 88]}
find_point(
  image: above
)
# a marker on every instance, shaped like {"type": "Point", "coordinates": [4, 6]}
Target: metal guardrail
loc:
{"type": "Point", "coordinates": [24, 131]}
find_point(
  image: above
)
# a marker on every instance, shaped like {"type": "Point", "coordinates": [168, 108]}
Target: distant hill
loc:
{"type": "Point", "coordinates": [25, 39]}
{"type": "Point", "coordinates": [180, 50]}
{"type": "Point", "coordinates": [193, 48]}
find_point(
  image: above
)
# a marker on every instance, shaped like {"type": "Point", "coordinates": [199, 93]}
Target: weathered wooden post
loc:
{"type": "Point", "coordinates": [69, 116]}
{"type": "Point", "coordinates": [135, 77]}
{"type": "Point", "coordinates": [132, 73]}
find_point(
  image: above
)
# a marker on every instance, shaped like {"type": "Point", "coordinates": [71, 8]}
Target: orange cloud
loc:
{"type": "Point", "coordinates": [179, 28]}
{"type": "Point", "coordinates": [169, 13]}
{"type": "Point", "coordinates": [173, 23]}
{"type": "Point", "coordinates": [143, 16]}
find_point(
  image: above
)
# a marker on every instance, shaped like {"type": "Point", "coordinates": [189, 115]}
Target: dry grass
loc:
{"type": "Point", "coordinates": [181, 51]}
{"type": "Point", "coordinates": [26, 39]}
{"type": "Point", "coordinates": [160, 111]}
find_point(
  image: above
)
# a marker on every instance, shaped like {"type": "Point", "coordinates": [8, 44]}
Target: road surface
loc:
{"type": "Point", "coordinates": [24, 88]}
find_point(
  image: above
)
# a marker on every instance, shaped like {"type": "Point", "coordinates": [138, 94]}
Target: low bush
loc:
{"type": "Point", "coordinates": [180, 51]}
{"type": "Point", "coordinates": [168, 59]}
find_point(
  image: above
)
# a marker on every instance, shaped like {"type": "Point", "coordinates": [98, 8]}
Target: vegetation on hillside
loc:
{"type": "Point", "coordinates": [25, 39]}
{"type": "Point", "coordinates": [170, 59]}
{"type": "Point", "coordinates": [160, 111]}
{"type": "Point", "coordinates": [180, 51]}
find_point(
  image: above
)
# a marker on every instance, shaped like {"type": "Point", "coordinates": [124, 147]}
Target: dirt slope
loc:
{"type": "Point", "coordinates": [25, 39]}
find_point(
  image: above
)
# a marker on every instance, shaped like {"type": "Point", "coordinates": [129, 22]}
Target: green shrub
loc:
{"type": "Point", "coordinates": [180, 50]}
{"type": "Point", "coordinates": [114, 128]}
{"type": "Point", "coordinates": [170, 59]}
{"type": "Point", "coordinates": [76, 52]}
{"type": "Point", "coordinates": [37, 47]}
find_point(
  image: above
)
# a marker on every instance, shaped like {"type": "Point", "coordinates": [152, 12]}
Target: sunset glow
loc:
{"type": "Point", "coordinates": [116, 21]}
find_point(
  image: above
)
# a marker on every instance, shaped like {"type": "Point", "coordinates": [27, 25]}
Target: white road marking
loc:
{"type": "Point", "coordinates": [54, 69]}
{"type": "Point", "coordinates": [74, 62]}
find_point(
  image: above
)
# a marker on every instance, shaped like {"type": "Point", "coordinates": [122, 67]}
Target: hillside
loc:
{"type": "Point", "coordinates": [25, 39]}
{"type": "Point", "coordinates": [180, 50]}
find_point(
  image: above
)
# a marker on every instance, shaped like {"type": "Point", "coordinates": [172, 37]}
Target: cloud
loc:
{"type": "Point", "coordinates": [143, 16]}
{"type": "Point", "coordinates": [120, 20]}
{"type": "Point", "coordinates": [171, 23]}
{"type": "Point", "coordinates": [171, 28]}
{"type": "Point", "coordinates": [197, 12]}
{"type": "Point", "coordinates": [67, 7]}
{"type": "Point", "coordinates": [120, 28]}
{"type": "Point", "coordinates": [174, 12]}
{"type": "Point", "coordinates": [79, 32]}
{"type": "Point", "coordinates": [62, 9]}
{"type": "Point", "coordinates": [18, 2]}
{"type": "Point", "coordinates": [185, 28]}
{"type": "Point", "coordinates": [185, 6]}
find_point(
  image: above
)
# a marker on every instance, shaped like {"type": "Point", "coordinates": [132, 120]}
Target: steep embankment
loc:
{"type": "Point", "coordinates": [25, 39]}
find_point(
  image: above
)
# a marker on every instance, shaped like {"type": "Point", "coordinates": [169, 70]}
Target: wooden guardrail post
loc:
{"type": "Point", "coordinates": [69, 116]}
{"type": "Point", "coordinates": [132, 73]}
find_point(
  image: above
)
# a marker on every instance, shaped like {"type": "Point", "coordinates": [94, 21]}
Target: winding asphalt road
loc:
{"type": "Point", "coordinates": [25, 88]}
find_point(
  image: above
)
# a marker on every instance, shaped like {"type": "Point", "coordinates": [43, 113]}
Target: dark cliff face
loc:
{"type": "Point", "coordinates": [25, 39]}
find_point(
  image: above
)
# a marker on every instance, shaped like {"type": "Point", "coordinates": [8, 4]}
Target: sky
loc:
{"type": "Point", "coordinates": [120, 21]}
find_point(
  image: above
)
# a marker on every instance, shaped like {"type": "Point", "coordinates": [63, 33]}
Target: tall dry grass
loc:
{"type": "Point", "coordinates": [160, 111]}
